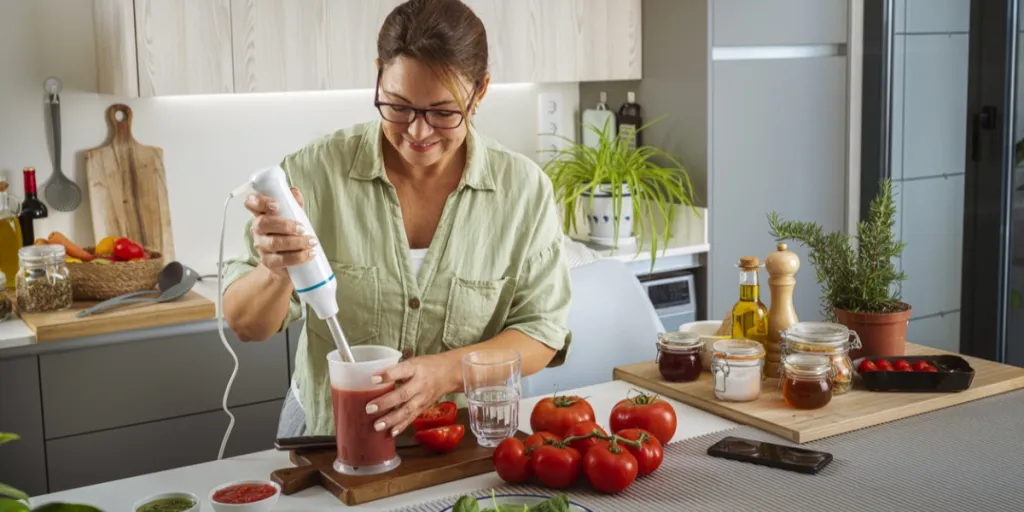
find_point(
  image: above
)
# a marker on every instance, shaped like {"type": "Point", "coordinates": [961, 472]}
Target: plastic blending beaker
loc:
{"type": "Point", "coordinates": [361, 449]}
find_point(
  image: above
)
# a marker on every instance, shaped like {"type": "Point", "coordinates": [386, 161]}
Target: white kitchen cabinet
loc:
{"type": "Point", "coordinates": [175, 47]}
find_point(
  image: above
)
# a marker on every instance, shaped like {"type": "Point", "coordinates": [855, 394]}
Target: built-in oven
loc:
{"type": "Point", "coordinates": [674, 296]}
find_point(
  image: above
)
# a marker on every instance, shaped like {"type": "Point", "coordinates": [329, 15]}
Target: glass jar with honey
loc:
{"type": "Point", "coordinates": [825, 339]}
{"type": "Point", "coordinates": [679, 356]}
{"type": "Point", "coordinates": [736, 366]}
{"type": "Point", "coordinates": [807, 381]}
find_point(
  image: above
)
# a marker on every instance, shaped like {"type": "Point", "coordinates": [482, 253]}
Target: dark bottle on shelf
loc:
{"type": "Point", "coordinates": [629, 121]}
{"type": "Point", "coordinates": [31, 208]}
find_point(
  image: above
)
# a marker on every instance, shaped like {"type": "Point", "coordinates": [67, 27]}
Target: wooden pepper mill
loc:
{"type": "Point", "coordinates": [782, 266]}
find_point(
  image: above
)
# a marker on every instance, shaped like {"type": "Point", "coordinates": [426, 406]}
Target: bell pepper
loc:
{"type": "Point", "coordinates": [127, 250]}
{"type": "Point", "coordinates": [105, 247]}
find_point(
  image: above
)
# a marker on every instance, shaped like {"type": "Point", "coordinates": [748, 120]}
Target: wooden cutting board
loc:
{"type": "Point", "coordinates": [419, 469]}
{"type": "Point", "coordinates": [128, 188]}
{"type": "Point", "coordinates": [854, 410]}
{"type": "Point", "coordinates": [61, 325]}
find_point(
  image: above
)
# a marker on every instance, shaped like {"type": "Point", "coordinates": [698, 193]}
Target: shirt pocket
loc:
{"type": "Point", "coordinates": [477, 310]}
{"type": "Point", "coordinates": [358, 297]}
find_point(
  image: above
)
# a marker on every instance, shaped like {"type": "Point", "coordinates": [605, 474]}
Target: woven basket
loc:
{"type": "Point", "coordinates": [96, 281]}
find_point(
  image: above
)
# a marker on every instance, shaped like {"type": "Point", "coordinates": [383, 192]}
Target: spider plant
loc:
{"type": "Point", "coordinates": [578, 171]}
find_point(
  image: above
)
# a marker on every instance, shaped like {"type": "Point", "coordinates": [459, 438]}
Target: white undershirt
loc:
{"type": "Point", "coordinates": [418, 255]}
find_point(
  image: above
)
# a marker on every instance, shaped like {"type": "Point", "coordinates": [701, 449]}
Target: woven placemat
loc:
{"type": "Point", "coordinates": [968, 458]}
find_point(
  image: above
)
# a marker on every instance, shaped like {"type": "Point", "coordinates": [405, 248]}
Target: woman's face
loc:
{"type": "Point", "coordinates": [407, 82]}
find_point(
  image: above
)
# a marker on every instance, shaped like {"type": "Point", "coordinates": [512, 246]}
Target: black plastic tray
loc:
{"type": "Point", "coordinates": [955, 374]}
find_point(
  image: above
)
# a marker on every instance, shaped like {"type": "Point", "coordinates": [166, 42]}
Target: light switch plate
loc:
{"type": "Point", "coordinates": [553, 122]}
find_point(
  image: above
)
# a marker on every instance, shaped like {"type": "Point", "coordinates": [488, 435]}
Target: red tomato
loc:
{"type": "Point", "coordinates": [127, 250]}
{"type": "Point", "coordinates": [931, 369]}
{"type": "Point", "coordinates": [884, 365]}
{"type": "Point", "coordinates": [866, 366]}
{"type": "Point", "coordinates": [921, 366]}
{"type": "Point", "coordinates": [539, 439]}
{"type": "Point", "coordinates": [649, 455]}
{"type": "Point", "coordinates": [556, 414]}
{"type": "Point", "coordinates": [511, 461]}
{"type": "Point", "coordinates": [647, 412]}
{"type": "Point", "coordinates": [439, 415]}
{"type": "Point", "coordinates": [901, 365]}
{"type": "Point", "coordinates": [610, 469]}
{"type": "Point", "coordinates": [557, 468]}
{"type": "Point", "coordinates": [581, 429]}
{"type": "Point", "coordinates": [441, 439]}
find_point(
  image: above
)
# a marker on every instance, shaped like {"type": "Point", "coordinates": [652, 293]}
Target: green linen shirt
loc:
{"type": "Point", "coordinates": [495, 262]}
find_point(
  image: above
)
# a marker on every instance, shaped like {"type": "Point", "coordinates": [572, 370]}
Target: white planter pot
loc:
{"type": "Point", "coordinates": [600, 216]}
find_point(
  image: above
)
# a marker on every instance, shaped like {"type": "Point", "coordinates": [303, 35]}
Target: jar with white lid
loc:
{"type": "Point", "coordinates": [6, 306]}
{"type": "Point", "coordinates": [44, 282]}
{"type": "Point", "coordinates": [824, 339]}
{"type": "Point", "coordinates": [679, 356]}
{"type": "Point", "coordinates": [736, 365]}
{"type": "Point", "coordinates": [806, 381]}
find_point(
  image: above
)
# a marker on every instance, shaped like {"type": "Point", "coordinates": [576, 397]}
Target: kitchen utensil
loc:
{"type": "Point", "coordinates": [170, 275]}
{"type": "Point", "coordinates": [404, 440]}
{"type": "Point", "coordinates": [128, 188]}
{"type": "Point", "coordinates": [62, 193]}
{"type": "Point", "coordinates": [177, 291]}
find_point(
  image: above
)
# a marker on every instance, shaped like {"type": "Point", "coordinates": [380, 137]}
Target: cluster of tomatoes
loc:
{"type": "Point", "coordinates": [567, 441]}
{"type": "Point", "coordinates": [899, 365]}
{"type": "Point", "coordinates": [436, 428]}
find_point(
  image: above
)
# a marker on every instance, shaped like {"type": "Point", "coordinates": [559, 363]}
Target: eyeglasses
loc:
{"type": "Point", "coordinates": [439, 118]}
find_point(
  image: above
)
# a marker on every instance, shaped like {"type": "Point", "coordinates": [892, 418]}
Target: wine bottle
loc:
{"type": "Point", "coordinates": [31, 208]}
{"type": "Point", "coordinates": [629, 121]}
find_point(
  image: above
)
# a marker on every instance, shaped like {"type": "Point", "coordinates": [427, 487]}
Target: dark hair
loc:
{"type": "Point", "coordinates": [446, 35]}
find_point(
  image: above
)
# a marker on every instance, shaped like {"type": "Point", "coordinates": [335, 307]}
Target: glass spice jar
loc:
{"type": "Point", "coordinates": [736, 366]}
{"type": "Point", "coordinates": [6, 306]}
{"type": "Point", "coordinates": [825, 339]}
{"type": "Point", "coordinates": [679, 356]}
{"type": "Point", "coordinates": [43, 283]}
{"type": "Point", "coordinates": [807, 381]}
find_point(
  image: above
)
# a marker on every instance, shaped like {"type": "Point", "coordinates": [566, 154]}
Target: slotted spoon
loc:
{"type": "Point", "coordinates": [62, 193]}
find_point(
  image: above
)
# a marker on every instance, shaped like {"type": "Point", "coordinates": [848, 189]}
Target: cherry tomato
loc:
{"type": "Point", "coordinates": [650, 454]}
{"type": "Point", "coordinates": [538, 439]}
{"type": "Point", "coordinates": [556, 467]}
{"type": "Point", "coordinates": [866, 366]}
{"type": "Point", "coordinates": [931, 369]}
{"type": "Point", "coordinates": [901, 365]}
{"type": "Point", "coordinates": [438, 415]}
{"type": "Point", "coordinates": [581, 429]}
{"type": "Point", "coordinates": [610, 469]}
{"type": "Point", "coordinates": [647, 412]}
{"type": "Point", "coordinates": [556, 414]}
{"type": "Point", "coordinates": [921, 366]}
{"type": "Point", "coordinates": [441, 439]}
{"type": "Point", "coordinates": [511, 461]}
{"type": "Point", "coordinates": [884, 365]}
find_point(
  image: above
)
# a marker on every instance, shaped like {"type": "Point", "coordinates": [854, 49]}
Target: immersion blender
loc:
{"type": "Point", "coordinates": [314, 280]}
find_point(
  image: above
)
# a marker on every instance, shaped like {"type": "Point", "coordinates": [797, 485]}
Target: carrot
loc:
{"type": "Point", "coordinates": [70, 247]}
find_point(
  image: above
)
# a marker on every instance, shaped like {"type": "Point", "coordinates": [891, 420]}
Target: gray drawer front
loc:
{"type": "Point", "coordinates": [22, 462]}
{"type": "Point", "coordinates": [778, 22]}
{"type": "Point", "coordinates": [125, 452]}
{"type": "Point", "coordinates": [136, 382]}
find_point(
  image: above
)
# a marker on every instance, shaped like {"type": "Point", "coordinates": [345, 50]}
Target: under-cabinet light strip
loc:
{"type": "Point", "coordinates": [808, 51]}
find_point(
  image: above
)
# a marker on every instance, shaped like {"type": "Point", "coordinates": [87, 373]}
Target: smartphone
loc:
{"type": "Point", "coordinates": [772, 455]}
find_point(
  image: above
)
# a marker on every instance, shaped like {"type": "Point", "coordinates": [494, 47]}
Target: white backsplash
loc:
{"type": "Point", "coordinates": [211, 143]}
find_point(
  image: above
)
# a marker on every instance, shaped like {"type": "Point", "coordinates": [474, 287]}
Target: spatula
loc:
{"type": "Point", "coordinates": [62, 193]}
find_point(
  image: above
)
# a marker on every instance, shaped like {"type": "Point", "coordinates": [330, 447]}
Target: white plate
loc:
{"type": "Point", "coordinates": [518, 499]}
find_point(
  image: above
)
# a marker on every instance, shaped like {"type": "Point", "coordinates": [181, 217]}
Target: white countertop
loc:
{"type": "Point", "coordinates": [199, 479]}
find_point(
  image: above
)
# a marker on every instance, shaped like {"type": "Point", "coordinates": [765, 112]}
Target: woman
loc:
{"type": "Point", "coordinates": [442, 241]}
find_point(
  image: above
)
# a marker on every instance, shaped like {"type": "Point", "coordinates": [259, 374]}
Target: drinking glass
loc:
{"type": "Point", "coordinates": [491, 380]}
{"type": "Point", "coordinates": [361, 449]}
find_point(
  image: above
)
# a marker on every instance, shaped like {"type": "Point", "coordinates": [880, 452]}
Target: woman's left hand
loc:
{"type": "Point", "coordinates": [421, 380]}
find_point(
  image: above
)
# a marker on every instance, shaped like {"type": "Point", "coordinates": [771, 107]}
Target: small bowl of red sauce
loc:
{"type": "Point", "coordinates": [245, 496]}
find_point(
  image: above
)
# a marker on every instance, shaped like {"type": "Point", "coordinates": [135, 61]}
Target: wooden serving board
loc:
{"type": "Point", "coordinates": [419, 469]}
{"type": "Point", "coordinates": [128, 188]}
{"type": "Point", "coordinates": [854, 410]}
{"type": "Point", "coordinates": [60, 325]}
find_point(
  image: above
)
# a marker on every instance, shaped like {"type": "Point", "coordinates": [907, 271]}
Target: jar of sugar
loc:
{"type": "Point", "coordinates": [736, 366]}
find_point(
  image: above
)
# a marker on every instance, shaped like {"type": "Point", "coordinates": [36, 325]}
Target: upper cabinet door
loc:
{"type": "Point", "coordinates": [609, 42]}
{"type": "Point", "coordinates": [184, 47]}
{"type": "Point", "coordinates": [352, 39]}
{"type": "Point", "coordinates": [778, 22]}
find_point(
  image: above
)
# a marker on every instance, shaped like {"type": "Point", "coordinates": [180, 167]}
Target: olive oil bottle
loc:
{"type": "Point", "coordinates": [749, 315]}
{"type": "Point", "coordinates": [10, 235]}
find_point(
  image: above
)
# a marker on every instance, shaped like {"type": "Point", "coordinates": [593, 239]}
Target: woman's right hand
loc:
{"type": "Point", "coordinates": [280, 242]}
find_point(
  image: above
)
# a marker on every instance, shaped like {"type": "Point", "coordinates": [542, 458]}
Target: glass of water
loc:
{"type": "Point", "coordinates": [491, 380]}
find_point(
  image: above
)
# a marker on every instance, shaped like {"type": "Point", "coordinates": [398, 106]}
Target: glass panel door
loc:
{"type": "Point", "coordinates": [1015, 313]}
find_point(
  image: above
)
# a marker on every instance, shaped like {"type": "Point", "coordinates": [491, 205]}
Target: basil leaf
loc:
{"type": "Point", "coordinates": [466, 504]}
{"type": "Point", "coordinates": [558, 503]}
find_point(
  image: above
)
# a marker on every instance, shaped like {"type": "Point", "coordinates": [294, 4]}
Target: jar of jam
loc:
{"type": "Point", "coordinates": [679, 356]}
{"type": "Point", "coordinates": [736, 366]}
{"type": "Point", "coordinates": [807, 381]}
{"type": "Point", "coordinates": [825, 339]}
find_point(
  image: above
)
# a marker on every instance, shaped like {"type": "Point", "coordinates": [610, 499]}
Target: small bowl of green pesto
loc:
{"type": "Point", "coordinates": [168, 502]}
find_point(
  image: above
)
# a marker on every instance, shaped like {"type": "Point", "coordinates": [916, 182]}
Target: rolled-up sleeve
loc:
{"type": "Point", "coordinates": [540, 306]}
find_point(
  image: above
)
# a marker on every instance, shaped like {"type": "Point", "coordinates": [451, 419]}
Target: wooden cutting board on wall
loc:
{"type": "Point", "coordinates": [128, 188]}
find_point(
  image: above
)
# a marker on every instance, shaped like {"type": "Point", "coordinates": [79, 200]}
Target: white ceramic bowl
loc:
{"type": "Point", "coordinates": [706, 329]}
{"type": "Point", "coordinates": [258, 506]}
{"type": "Point", "coordinates": [164, 495]}
{"type": "Point", "coordinates": [517, 500]}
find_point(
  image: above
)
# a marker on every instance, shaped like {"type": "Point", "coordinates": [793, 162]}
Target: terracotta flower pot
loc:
{"type": "Point", "coordinates": [881, 334]}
